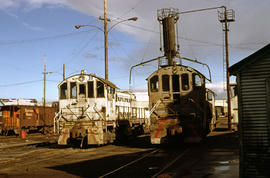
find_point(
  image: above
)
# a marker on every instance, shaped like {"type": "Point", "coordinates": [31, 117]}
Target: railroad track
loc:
{"type": "Point", "coordinates": [154, 169]}
{"type": "Point", "coordinates": [31, 140]}
{"type": "Point", "coordinates": [30, 156]}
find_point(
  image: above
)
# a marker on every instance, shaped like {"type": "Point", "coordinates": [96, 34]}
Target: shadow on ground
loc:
{"type": "Point", "coordinates": [145, 167]}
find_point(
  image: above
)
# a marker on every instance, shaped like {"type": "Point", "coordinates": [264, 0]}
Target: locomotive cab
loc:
{"type": "Point", "coordinates": [86, 105]}
{"type": "Point", "coordinates": [178, 103]}
{"type": "Point", "coordinates": [92, 112]}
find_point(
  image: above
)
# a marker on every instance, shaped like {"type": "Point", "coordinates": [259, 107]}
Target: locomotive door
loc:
{"type": "Point", "coordinates": [176, 88]}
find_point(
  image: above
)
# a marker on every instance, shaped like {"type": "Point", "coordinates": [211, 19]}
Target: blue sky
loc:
{"type": "Point", "coordinates": [32, 29]}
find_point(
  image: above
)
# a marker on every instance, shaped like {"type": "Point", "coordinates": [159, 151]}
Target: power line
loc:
{"type": "Point", "coordinates": [131, 9]}
{"type": "Point", "coordinates": [43, 38]}
{"type": "Point", "coordinates": [21, 83]}
{"type": "Point", "coordinates": [72, 57]}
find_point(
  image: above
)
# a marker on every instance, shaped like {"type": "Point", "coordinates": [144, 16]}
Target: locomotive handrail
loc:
{"type": "Point", "coordinates": [142, 63]}
{"type": "Point", "coordinates": [88, 116]}
{"type": "Point", "coordinates": [154, 107]}
{"type": "Point", "coordinates": [72, 112]}
{"type": "Point", "coordinates": [193, 60]}
{"type": "Point", "coordinates": [95, 109]}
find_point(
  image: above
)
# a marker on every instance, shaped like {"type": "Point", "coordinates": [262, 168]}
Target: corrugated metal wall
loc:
{"type": "Point", "coordinates": [254, 125]}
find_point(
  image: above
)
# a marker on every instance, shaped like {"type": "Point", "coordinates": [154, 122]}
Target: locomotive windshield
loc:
{"type": "Point", "coordinates": [73, 90]}
{"type": "Point", "coordinates": [175, 81]}
{"type": "Point", "coordinates": [100, 89]}
{"type": "Point", "coordinates": [90, 89]}
{"type": "Point", "coordinates": [165, 82]}
{"type": "Point", "coordinates": [154, 84]}
{"type": "Point", "coordinates": [185, 82]}
{"type": "Point", "coordinates": [63, 91]}
{"type": "Point", "coordinates": [182, 82]}
{"type": "Point", "coordinates": [82, 90]}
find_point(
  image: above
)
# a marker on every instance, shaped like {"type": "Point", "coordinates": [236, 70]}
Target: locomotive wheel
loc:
{"type": "Point", "coordinates": [121, 137]}
{"type": "Point", "coordinates": [84, 142]}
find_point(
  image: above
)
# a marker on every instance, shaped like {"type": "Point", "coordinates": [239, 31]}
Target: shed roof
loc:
{"type": "Point", "coordinates": [17, 102]}
{"type": "Point", "coordinates": [255, 57]}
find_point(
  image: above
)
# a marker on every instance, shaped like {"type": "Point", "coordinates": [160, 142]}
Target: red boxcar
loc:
{"type": "Point", "coordinates": [16, 117]}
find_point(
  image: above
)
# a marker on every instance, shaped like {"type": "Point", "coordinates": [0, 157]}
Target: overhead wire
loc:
{"type": "Point", "coordinates": [80, 50]}
{"type": "Point", "coordinates": [131, 9]}
{"type": "Point", "coordinates": [43, 38]}
{"type": "Point", "coordinates": [21, 83]}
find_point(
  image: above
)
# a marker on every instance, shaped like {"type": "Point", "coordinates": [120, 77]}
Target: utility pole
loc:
{"type": "Point", "coordinates": [105, 31]}
{"type": "Point", "coordinates": [224, 18]}
{"type": "Point", "coordinates": [44, 94]}
{"type": "Point", "coordinates": [64, 71]}
{"type": "Point", "coordinates": [105, 40]}
{"type": "Point", "coordinates": [227, 69]}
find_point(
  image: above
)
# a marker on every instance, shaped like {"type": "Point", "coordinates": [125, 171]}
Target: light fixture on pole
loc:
{"type": "Point", "coordinates": [105, 31]}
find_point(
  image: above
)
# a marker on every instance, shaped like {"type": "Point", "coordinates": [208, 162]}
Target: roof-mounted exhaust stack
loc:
{"type": "Point", "coordinates": [168, 19]}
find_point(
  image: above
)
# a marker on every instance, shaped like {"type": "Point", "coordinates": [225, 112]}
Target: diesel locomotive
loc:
{"type": "Point", "coordinates": [179, 102]}
{"type": "Point", "coordinates": [92, 111]}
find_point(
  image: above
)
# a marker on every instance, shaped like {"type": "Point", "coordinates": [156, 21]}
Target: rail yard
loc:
{"type": "Point", "coordinates": [40, 156]}
{"type": "Point", "coordinates": [172, 120]}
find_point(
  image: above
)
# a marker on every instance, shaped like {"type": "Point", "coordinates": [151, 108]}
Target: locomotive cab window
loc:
{"type": "Point", "coordinates": [100, 89]}
{"type": "Point", "coordinates": [175, 81]}
{"type": "Point", "coordinates": [111, 90]}
{"type": "Point", "coordinates": [185, 82]}
{"type": "Point", "coordinates": [165, 82]}
{"type": "Point", "coordinates": [73, 90]}
{"type": "Point", "coordinates": [197, 81]}
{"type": "Point", "coordinates": [90, 89]}
{"type": "Point", "coordinates": [209, 96]}
{"type": "Point", "coordinates": [154, 84]}
{"type": "Point", "coordinates": [63, 91]}
{"type": "Point", "coordinates": [82, 90]}
{"type": "Point", "coordinates": [110, 93]}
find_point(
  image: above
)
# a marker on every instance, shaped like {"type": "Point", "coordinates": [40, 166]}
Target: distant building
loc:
{"type": "Point", "coordinates": [234, 106]}
{"type": "Point", "coordinates": [21, 102]}
{"type": "Point", "coordinates": [253, 90]}
{"type": "Point", "coordinates": [221, 107]}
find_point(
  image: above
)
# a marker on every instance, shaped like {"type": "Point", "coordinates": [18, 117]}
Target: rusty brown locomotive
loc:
{"type": "Point", "coordinates": [179, 102]}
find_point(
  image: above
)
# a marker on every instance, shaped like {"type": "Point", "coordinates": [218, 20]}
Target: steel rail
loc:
{"type": "Point", "coordinates": [132, 162]}
{"type": "Point", "coordinates": [171, 163]}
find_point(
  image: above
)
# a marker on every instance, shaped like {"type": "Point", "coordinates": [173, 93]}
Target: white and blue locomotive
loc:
{"type": "Point", "coordinates": [92, 112]}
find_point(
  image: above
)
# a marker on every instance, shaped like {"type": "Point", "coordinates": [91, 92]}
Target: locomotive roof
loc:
{"type": "Point", "coordinates": [178, 66]}
{"type": "Point", "coordinates": [93, 75]}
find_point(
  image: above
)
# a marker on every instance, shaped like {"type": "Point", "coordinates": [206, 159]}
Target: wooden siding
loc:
{"type": "Point", "coordinates": [18, 117]}
{"type": "Point", "coordinates": [254, 125]}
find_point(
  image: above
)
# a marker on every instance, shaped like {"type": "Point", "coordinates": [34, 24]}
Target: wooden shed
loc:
{"type": "Point", "coordinates": [253, 88]}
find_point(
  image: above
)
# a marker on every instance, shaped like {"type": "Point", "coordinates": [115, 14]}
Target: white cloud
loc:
{"type": "Point", "coordinates": [31, 27]}
{"type": "Point", "coordinates": [218, 88]}
{"type": "Point", "coordinates": [8, 4]}
{"type": "Point", "coordinates": [200, 33]}
{"type": "Point", "coordinates": [200, 26]}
